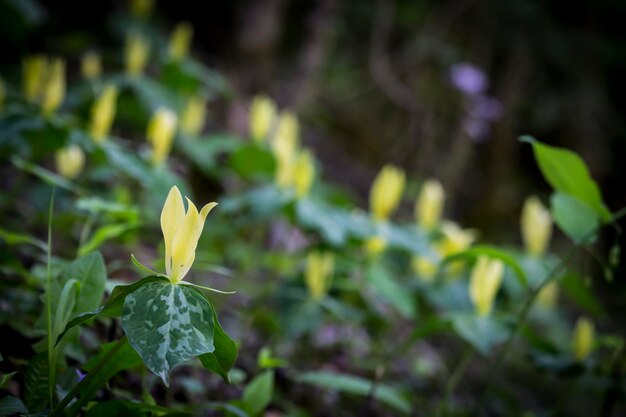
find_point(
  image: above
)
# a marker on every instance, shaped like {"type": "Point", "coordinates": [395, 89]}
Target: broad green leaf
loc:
{"type": "Point", "coordinates": [328, 221]}
{"type": "Point", "coordinates": [482, 332]}
{"type": "Point", "coordinates": [167, 324]}
{"type": "Point", "coordinates": [566, 172]}
{"type": "Point", "coordinates": [222, 359]}
{"type": "Point", "coordinates": [258, 394]}
{"type": "Point", "coordinates": [104, 233]}
{"type": "Point", "coordinates": [36, 382]}
{"type": "Point", "coordinates": [204, 152]}
{"type": "Point", "coordinates": [574, 287]}
{"type": "Point", "coordinates": [389, 289]}
{"type": "Point", "coordinates": [4, 379]}
{"type": "Point", "coordinates": [90, 272]}
{"type": "Point", "coordinates": [358, 386]}
{"type": "Point", "coordinates": [10, 405]}
{"type": "Point", "coordinates": [575, 218]}
{"type": "Point", "coordinates": [251, 161]}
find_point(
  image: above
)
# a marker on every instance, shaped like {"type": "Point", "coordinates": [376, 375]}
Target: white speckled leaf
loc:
{"type": "Point", "coordinates": [167, 325]}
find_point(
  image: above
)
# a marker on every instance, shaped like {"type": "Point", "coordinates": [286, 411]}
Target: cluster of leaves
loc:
{"type": "Point", "coordinates": [376, 334]}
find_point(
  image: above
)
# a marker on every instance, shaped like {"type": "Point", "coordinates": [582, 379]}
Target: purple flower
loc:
{"type": "Point", "coordinates": [485, 107]}
{"type": "Point", "coordinates": [80, 374]}
{"type": "Point", "coordinates": [468, 78]}
{"type": "Point", "coordinates": [477, 129]}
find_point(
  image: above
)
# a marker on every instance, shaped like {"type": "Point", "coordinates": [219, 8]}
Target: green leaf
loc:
{"type": "Point", "coordinates": [204, 152]}
{"type": "Point", "coordinates": [115, 408]}
{"type": "Point", "coordinates": [167, 324]}
{"type": "Point", "coordinates": [258, 394]}
{"type": "Point", "coordinates": [222, 359]}
{"type": "Point", "coordinates": [566, 172]}
{"type": "Point", "coordinates": [358, 386]}
{"type": "Point", "coordinates": [251, 161]}
{"type": "Point", "coordinates": [4, 379]}
{"type": "Point", "coordinates": [46, 175]}
{"type": "Point", "coordinates": [575, 218]}
{"type": "Point", "coordinates": [36, 382]}
{"type": "Point", "coordinates": [104, 233]}
{"type": "Point", "coordinates": [10, 405]}
{"type": "Point", "coordinates": [482, 332]}
{"type": "Point", "coordinates": [575, 289]}
{"type": "Point", "coordinates": [90, 272]}
{"type": "Point", "coordinates": [12, 238]}
{"type": "Point", "coordinates": [330, 222]}
{"type": "Point", "coordinates": [389, 289]}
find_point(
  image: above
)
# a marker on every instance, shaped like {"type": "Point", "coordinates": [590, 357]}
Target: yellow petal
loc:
{"type": "Point", "coordinates": [186, 240]}
{"type": "Point", "coordinates": [172, 216]}
{"type": "Point", "coordinates": [206, 210]}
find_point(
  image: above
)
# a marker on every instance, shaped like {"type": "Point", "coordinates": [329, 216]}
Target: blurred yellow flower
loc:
{"type": "Point", "coordinates": [287, 138]}
{"type": "Point", "coordinates": [319, 273]}
{"type": "Point", "coordinates": [375, 245]}
{"type": "Point", "coordinates": [262, 114]}
{"type": "Point", "coordinates": [548, 295]}
{"type": "Point", "coordinates": [386, 192]}
{"type": "Point", "coordinates": [34, 69]}
{"type": "Point", "coordinates": [141, 8]}
{"type": "Point", "coordinates": [103, 113]}
{"type": "Point", "coordinates": [583, 339]}
{"type": "Point", "coordinates": [536, 224]}
{"type": "Point", "coordinates": [429, 204]}
{"type": "Point", "coordinates": [53, 91]}
{"type": "Point", "coordinates": [160, 134]}
{"type": "Point", "coordinates": [424, 268]}
{"type": "Point", "coordinates": [90, 65]}
{"type": "Point", "coordinates": [454, 239]}
{"type": "Point", "coordinates": [180, 41]}
{"type": "Point", "coordinates": [484, 283]}
{"type": "Point", "coordinates": [70, 161]}
{"type": "Point", "coordinates": [193, 118]}
{"type": "Point", "coordinates": [181, 232]}
{"type": "Point", "coordinates": [136, 53]}
{"type": "Point", "coordinates": [303, 173]}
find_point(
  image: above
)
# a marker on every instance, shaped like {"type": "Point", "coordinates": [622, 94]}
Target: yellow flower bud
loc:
{"type": "Point", "coordinates": [34, 70]}
{"type": "Point", "coordinates": [287, 138]}
{"type": "Point", "coordinates": [303, 173]}
{"type": "Point", "coordinates": [319, 273]}
{"type": "Point", "coordinates": [160, 133]}
{"type": "Point", "coordinates": [536, 224]}
{"type": "Point", "coordinates": [484, 283]}
{"type": "Point", "coordinates": [141, 8]}
{"type": "Point", "coordinates": [136, 53]}
{"type": "Point", "coordinates": [262, 114]}
{"type": "Point", "coordinates": [454, 239]}
{"type": "Point", "coordinates": [90, 65]}
{"type": "Point", "coordinates": [103, 113]}
{"type": "Point", "coordinates": [548, 295]}
{"type": "Point", "coordinates": [386, 192]}
{"type": "Point", "coordinates": [54, 89]}
{"type": "Point", "coordinates": [180, 41]}
{"type": "Point", "coordinates": [70, 161]}
{"type": "Point", "coordinates": [193, 119]}
{"type": "Point", "coordinates": [583, 339]}
{"type": "Point", "coordinates": [375, 245]}
{"type": "Point", "coordinates": [424, 268]}
{"type": "Point", "coordinates": [429, 204]}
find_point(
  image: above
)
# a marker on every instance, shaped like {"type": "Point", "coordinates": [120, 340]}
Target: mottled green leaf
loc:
{"type": "Point", "coordinates": [167, 324]}
{"type": "Point", "coordinates": [222, 359]}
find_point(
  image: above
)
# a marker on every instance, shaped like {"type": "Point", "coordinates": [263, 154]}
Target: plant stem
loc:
{"type": "Point", "coordinates": [51, 364]}
{"type": "Point", "coordinates": [454, 380]}
{"type": "Point", "coordinates": [87, 379]}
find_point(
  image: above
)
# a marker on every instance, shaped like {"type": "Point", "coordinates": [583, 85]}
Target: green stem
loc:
{"type": "Point", "coordinates": [51, 364]}
{"type": "Point", "coordinates": [454, 380]}
{"type": "Point", "coordinates": [87, 379]}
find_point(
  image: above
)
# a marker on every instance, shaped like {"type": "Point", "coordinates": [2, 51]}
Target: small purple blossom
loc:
{"type": "Point", "coordinates": [477, 129]}
{"type": "Point", "coordinates": [485, 107]}
{"type": "Point", "coordinates": [468, 78]}
{"type": "Point", "coordinates": [80, 374]}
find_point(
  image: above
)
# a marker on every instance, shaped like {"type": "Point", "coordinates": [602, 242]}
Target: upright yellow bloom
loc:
{"type": "Point", "coordinates": [69, 161]}
{"type": "Point", "coordinates": [103, 113]}
{"type": "Point", "coordinates": [287, 138]}
{"type": "Point", "coordinates": [136, 53]}
{"type": "Point", "coordinates": [90, 65]}
{"type": "Point", "coordinates": [180, 41]}
{"type": "Point", "coordinates": [181, 232]}
{"type": "Point", "coordinates": [303, 173]}
{"type": "Point", "coordinates": [375, 245]}
{"type": "Point", "coordinates": [193, 118]}
{"type": "Point", "coordinates": [536, 223]}
{"type": "Point", "coordinates": [429, 204]}
{"type": "Point", "coordinates": [262, 114]}
{"type": "Point", "coordinates": [386, 192]}
{"type": "Point", "coordinates": [34, 69]}
{"type": "Point", "coordinates": [319, 273]}
{"type": "Point", "coordinates": [484, 283]}
{"type": "Point", "coordinates": [583, 339]}
{"type": "Point", "coordinates": [160, 134]}
{"type": "Point", "coordinates": [53, 91]}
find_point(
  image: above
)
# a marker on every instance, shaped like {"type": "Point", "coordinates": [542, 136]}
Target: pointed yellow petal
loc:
{"type": "Point", "coordinates": [206, 210]}
{"type": "Point", "coordinates": [172, 216]}
{"type": "Point", "coordinates": [186, 241]}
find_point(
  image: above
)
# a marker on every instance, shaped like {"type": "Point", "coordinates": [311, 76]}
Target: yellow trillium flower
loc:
{"type": "Point", "coordinates": [262, 114]}
{"type": "Point", "coordinates": [375, 245]}
{"type": "Point", "coordinates": [319, 273]}
{"type": "Point", "coordinates": [455, 239]}
{"type": "Point", "coordinates": [429, 204]}
{"type": "Point", "coordinates": [583, 339]}
{"type": "Point", "coordinates": [485, 281]}
{"type": "Point", "coordinates": [287, 138]}
{"type": "Point", "coordinates": [34, 70]}
{"type": "Point", "coordinates": [90, 65]}
{"type": "Point", "coordinates": [136, 53]}
{"type": "Point", "coordinates": [53, 91]}
{"type": "Point", "coordinates": [103, 113]}
{"type": "Point", "coordinates": [180, 41]}
{"type": "Point", "coordinates": [303, 173]}
{"type": "Point", "coordinates": [193, 118]}
{"type": "Point", "coordinates": [536, 224]}
{"type": "Point", "coordinates": [160, 134]}
{"type": "Point", "coordinates": [181, 232]}
{"type": "Point", "coordinates": [70, 161]}
{"type": "Point", "coordinates": [386, 192]}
